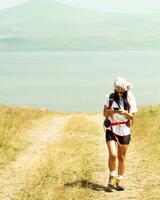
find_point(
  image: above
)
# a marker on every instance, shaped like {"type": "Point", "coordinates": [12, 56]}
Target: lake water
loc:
{"type": "Point", "coordinates": [76, 81]}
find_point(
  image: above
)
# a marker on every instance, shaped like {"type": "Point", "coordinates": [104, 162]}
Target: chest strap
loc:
{"type": "Point", "coordinates": [118, 123]}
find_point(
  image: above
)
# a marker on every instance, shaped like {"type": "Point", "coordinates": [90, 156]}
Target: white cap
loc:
{"type": "Point", "coordinates": [122, 83]}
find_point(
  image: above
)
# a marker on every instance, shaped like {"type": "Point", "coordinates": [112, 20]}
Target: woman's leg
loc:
{"type": "Point", "coordinates": [112, 149]}
{"type": "Point", "coordinates": [122, 150]}
{"type": "Point", "coordinates": [112, 164]}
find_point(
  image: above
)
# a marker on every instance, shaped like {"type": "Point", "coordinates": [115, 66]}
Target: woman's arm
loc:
{"type": "Point", "coordinates": [108, 112]}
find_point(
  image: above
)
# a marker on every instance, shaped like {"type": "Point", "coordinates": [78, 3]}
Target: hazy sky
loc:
{"type": "Point", "coordinates": [101, 5]}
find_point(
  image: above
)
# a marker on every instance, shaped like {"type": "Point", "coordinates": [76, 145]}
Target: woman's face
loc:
{"type": "Point", "coordinates": [120, 92]}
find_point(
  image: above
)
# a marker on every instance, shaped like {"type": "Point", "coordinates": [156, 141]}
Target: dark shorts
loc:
{"type": "Point", "coordinates": [122, 139]}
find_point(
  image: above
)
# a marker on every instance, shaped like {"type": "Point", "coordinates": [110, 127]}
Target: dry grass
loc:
{"type": "Point", "coordinates": [14, 122]}
{"type": "Point", "coordinates": [68, 167]}
{"type": "Point", "coordinates": [147, 145]}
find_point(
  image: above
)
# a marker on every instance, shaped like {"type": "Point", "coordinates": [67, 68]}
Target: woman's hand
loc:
{"type": "Point", "coordinates": [108, 112]}
{"type": "Point", "coordinates": [124, 112]}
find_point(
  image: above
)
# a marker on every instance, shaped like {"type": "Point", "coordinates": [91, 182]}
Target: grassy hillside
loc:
{"type": "Point", "coordinates": [68, 169]}
{"type": "Point", "coordinates": [146, 135]}
{"type": "Point", "coordinates": [14, 123]}
{"type": "Point", "coordinates": [73, 166]}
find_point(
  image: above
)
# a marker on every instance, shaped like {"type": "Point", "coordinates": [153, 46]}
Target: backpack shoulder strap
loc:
{"type": "Point", "coordinates": [111, 99]}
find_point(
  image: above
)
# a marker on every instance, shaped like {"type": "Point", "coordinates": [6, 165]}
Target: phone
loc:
{"type": "Point", "coordinates": [116, 108]}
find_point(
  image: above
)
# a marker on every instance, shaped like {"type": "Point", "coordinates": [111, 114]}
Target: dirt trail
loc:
{"type": "Point", "coordinates": [14, 176]}
{"type": "Point", "coordinates": [132, 180]}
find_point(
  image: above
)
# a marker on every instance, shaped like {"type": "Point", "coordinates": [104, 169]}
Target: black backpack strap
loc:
{"type": "Point", "coordinates": [107, 122]}
{"type": "Point", "coordinates": [111, 99]}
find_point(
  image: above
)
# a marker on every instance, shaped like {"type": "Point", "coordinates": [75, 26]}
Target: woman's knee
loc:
{"type": "Point", "coordinates": [121, 157]}
{"type": "Point", "coordinates": [113, 156]}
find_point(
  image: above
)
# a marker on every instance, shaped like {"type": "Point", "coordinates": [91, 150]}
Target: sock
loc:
{"type": "Point", "coordinates": [113, 173]}
{"type": "Point", "coordinates": [120, 177]}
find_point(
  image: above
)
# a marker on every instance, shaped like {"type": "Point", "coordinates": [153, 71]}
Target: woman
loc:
{"type": "Point", "coordinates": [119, 110]}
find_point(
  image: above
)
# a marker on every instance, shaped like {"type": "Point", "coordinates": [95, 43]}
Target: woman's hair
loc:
{"type": "Point", "coordinates": [126, 103]}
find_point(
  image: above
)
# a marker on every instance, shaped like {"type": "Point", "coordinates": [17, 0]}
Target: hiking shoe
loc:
{"type": "Point", "coordinates": [119, 185]}
{"type": "Point", "coordinates": [112, 180]}
{"type": "Point", "coordinates": [109, 189]}
{"type": "Point", "coordinates": [111, 183]}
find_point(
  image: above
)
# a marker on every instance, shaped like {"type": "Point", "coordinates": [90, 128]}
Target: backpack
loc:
{"type": "Point", "coordinates": [107, 122]}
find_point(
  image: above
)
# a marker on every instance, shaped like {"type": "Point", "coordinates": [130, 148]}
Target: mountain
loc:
{"type": "Point", "coordinates": [48, 25]}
